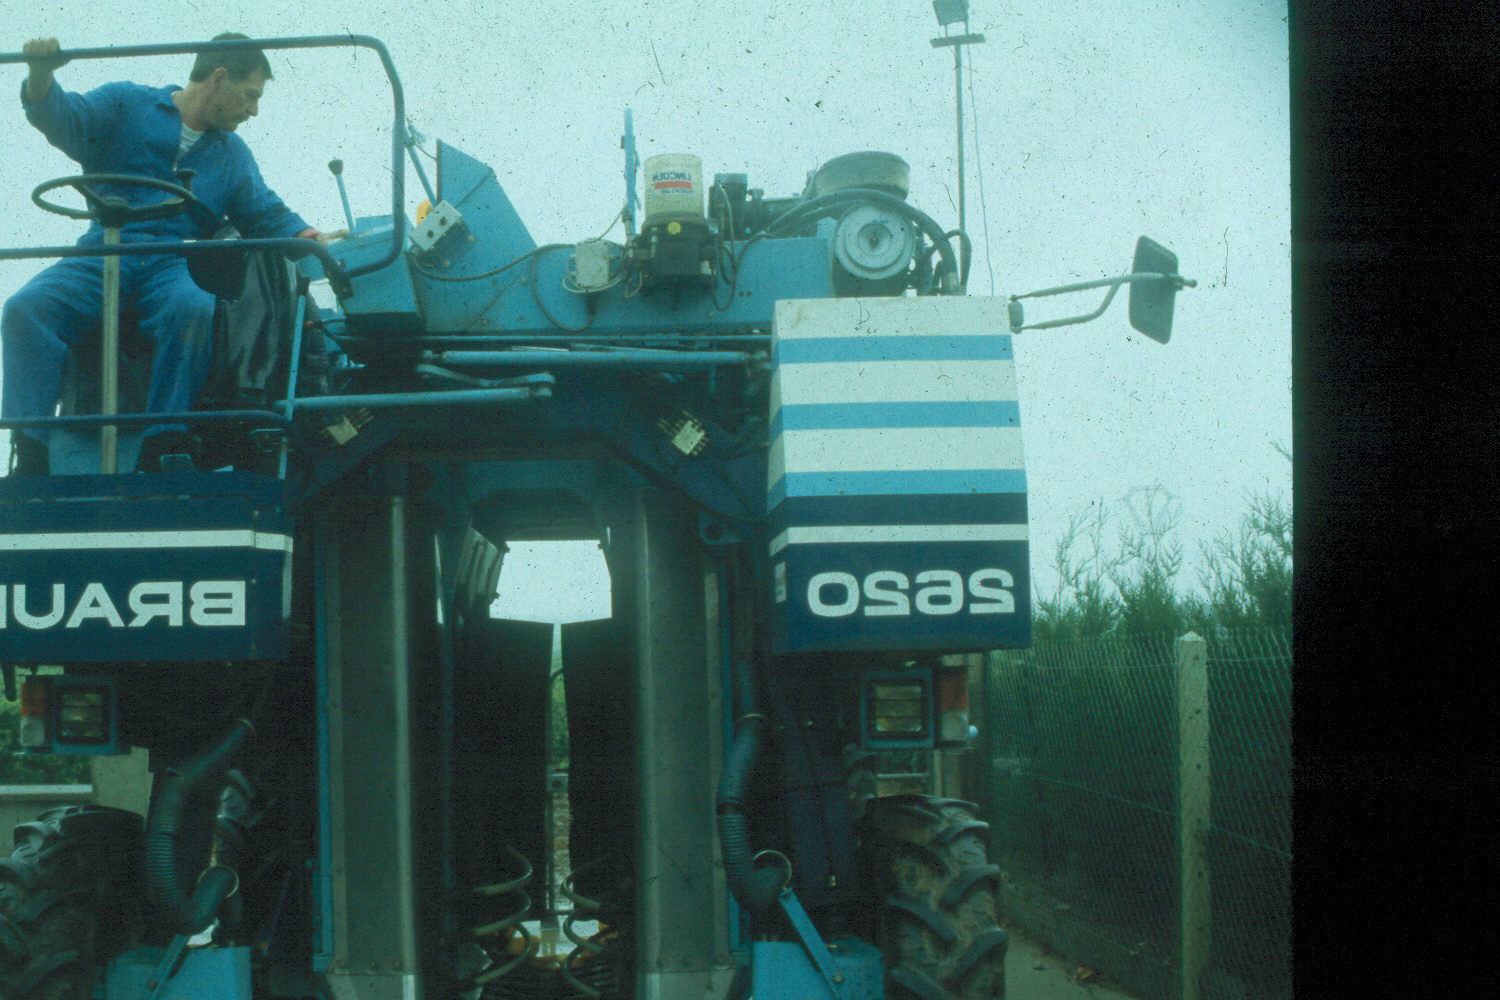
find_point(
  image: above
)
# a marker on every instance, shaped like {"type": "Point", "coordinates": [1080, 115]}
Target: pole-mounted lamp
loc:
{"type": "Point", "coordinates": [951, 12]}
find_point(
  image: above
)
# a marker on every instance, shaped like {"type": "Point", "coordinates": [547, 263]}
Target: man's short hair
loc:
{"type": "Point", "coordinates": [239, 61]}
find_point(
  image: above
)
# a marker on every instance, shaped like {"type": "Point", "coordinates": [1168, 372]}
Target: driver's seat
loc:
{"type": "Point", "coordinates": [253, 334]}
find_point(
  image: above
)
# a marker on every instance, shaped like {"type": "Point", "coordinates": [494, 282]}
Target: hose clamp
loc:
{"type": "Point", "coordinates": [776, 859]}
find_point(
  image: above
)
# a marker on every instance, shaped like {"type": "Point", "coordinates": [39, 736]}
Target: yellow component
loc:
{"type": "Point", "coordinates": [341, 432]}
{"type": "Point", "coordinates": [674, 228]}
{"type": "Point", "coordinates": [423, 209]}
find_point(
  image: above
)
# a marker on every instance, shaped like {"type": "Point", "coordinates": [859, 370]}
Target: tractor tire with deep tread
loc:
{"type": "Point", "coordinates": [70, 897]}
{"type": "Point", "coordinates": [936, 898]}
{"type": "Point", "coordinates": [861, 780]}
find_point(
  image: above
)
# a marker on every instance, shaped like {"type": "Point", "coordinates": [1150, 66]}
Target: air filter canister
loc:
{"type": "Point", "coordinates": [674, 188]}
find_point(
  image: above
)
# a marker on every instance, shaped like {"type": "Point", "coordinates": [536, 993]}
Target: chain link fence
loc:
{"type": "Point", "coordinates": [1087, 782]}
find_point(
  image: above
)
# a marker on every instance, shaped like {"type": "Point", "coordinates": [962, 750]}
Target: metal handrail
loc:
{"type": "Point", "coordinates": [339, 277]}
{"type": "Point", "coordinates": [625, 357]}
{"type": "Point", "coordinates": [140, 419]}
{"type": "Point", "coordinates": [337, 274]}
{"type": "Point", "coordinates": [290, 245]}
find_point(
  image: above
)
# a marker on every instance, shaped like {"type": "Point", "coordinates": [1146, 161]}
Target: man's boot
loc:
{"type": "Point", "coordinates": [158, 445]}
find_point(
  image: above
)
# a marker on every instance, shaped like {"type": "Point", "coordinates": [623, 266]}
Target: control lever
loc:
{"type": "Point", "coordinates": [336, 167]}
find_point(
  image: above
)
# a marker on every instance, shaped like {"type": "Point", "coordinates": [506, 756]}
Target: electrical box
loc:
{"type": "Point", "coordinates": [591, 265]}
{"type": "Point", "coordinates": [441, 223]}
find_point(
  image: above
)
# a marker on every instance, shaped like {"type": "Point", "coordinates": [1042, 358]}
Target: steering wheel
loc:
{"type": "Point", "coordinates": [221, 272]}
{"type": "Point", "coordinates": [114, 211]}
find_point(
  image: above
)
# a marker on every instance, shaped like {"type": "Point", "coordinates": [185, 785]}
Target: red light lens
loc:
{"type": "Point", "coordinates": [952, 689]}
{"type": "Point", "coordinates": [34, 691]}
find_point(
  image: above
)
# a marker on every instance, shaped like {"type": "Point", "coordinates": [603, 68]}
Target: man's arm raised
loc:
{"type": "Point", "coordinates": [42, 61]}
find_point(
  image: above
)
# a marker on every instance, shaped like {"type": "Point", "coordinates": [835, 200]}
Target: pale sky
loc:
{"type": "Point", "coordinates": [1088, 125]}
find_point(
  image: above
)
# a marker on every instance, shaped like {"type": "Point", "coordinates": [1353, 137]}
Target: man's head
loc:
{"type": "Point", "coordinates": [231, 81]}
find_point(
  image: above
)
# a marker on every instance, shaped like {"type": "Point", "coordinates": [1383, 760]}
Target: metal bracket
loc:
{"type": "Point", "coordinates": [171, 960]}
{"type": "Point", "coordinates": [821, 957]}
{"type": "Point", "coordinates": [267, 439]}
{"type": "Point", "coordinates": [441, 375]}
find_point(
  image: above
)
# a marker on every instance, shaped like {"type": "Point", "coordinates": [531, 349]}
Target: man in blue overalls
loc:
{"type": "Point", "coordinates": [127, 128]}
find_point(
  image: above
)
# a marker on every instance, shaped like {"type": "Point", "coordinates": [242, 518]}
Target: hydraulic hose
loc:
{"type": "Point", "coordinates": [756, 889]}
{"type": "Point", "coordinates": [188, 910]}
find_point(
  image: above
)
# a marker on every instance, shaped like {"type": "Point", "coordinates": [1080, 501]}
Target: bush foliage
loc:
{"type": "Point", "coordinates": [18, 768]}
{"type": "Point", "coordinates": [1126, 580]}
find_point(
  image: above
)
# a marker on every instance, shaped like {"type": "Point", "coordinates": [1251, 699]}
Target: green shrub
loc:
{"type": "Point", "coordinates": [1125, 582]}
{"type": "Point", "coordinates": [19, 768]}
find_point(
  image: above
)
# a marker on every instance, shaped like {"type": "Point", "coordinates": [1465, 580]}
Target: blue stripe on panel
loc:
{"type": "Point", "coordinates": [986, 347]}
{"type": "Point", "coordinates": [896, 534]}
{"type": "Point", "coordinates": [885, 483]}
{"type": "Point", "coordinates": [906, 508]}
{"type": "Point", "coordinates": [839, 416]}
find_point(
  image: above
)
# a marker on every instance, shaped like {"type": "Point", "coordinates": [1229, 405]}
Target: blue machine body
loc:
{"type": "Point", "coordinates": [493, 280]}
{"type": "Point", "coordinates": [896, 480]}
{"type": "Point", "coordinates": [783, 968]}
{"type": "Point", "coordinates": [205, 974]}
{"type": "Point", "coordinates": [801, 456]}
{"type": "Point", "coordinates": [191, 566]}
{"type": "Point", "coordinates": [849, 464]}
{"type": "Point", "coordinates": [386, 296]}
{"type": "Point", "coordinates": [866, 448]}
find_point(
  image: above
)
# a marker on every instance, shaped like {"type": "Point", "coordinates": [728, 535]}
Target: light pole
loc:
{"type": "Point", "coordinates": [950, 12]}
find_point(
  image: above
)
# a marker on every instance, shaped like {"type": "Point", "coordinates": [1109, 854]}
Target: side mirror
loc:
{"type": "Point", "coordinates": [1154, 284]}
{"type": "Point", "coordinates": [1152, 301]}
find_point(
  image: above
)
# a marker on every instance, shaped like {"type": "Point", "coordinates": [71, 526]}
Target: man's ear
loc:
{"type": "Point", "coordinates": [217, 77]}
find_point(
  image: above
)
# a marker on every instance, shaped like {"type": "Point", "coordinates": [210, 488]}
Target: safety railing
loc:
{"type": "Point", "coordinates": [339, 276]}
{"type": "Point", "coordinates": [281, 415]}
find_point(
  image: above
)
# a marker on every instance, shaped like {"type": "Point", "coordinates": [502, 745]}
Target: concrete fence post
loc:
{"type": "Point", "coordinates": [122, 781]}
{"type": "Point", "coordinates": [1193, 802]}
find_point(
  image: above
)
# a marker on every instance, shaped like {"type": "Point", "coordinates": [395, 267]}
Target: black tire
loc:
{"type": "Point", "coordinates": [70, 898]}
{"type": "Point", "coordinates": [937, 913]}
{"type": "Point", "coordinates": [861, 780]}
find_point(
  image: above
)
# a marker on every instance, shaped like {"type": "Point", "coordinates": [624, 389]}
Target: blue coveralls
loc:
{"type": "Point", "coordinates": [126, 128]}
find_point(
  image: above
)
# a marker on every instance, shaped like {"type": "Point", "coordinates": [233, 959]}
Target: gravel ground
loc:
{"type": "Point", "coordinates": [1031, 974]}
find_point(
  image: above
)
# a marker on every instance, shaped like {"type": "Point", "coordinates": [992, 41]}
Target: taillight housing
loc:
{"type": "Point", "coordinates": [69, 715]}
{"type": "Point", "coordinates": [35, 693]}
{"type": "Point", "coordinates": [951, 684]}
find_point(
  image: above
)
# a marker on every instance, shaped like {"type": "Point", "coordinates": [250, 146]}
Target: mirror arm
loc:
{"type": "Point", "coordinates": [1071, 320]}
{"type": "Point", "coordinates": [1083, 286]}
